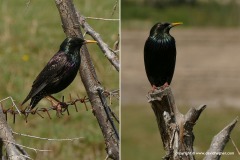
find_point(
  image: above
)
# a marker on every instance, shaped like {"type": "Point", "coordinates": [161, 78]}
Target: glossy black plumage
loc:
{"type": "Point", "coordinates": [59, 72]}
{"type": "Point", "coordinates": [160, 55]}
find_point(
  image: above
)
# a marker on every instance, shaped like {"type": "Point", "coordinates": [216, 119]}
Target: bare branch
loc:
{"type": "Point", "coordinates": [220, 140]}
{"type": "Point", "coordinates": [193, 114]}
{"type": "Point", "coordinates": [176, 136]}
{"type": "Point", "coordinates": [176, 129]}
{"type": "Point", "coordinates": [103, 46]}
{"type": "Point", "coordinates": [13, 152]}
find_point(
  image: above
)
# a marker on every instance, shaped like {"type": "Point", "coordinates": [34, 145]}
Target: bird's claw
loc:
{"type": "Point", "coordinates": [153, 89]}
{"type": "Point", "coordinates": [164, 86]}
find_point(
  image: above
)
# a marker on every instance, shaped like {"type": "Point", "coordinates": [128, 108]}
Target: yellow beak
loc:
{"type": "Point", "coordinates": [90, 41]}
{"type": "Point", "coordinates": [176, 24]}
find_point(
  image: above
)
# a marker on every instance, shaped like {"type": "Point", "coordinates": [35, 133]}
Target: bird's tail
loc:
{"type": "Point", "coordinates": [25, 100]}
{"type": "Point", "coordinates": [34, 101]}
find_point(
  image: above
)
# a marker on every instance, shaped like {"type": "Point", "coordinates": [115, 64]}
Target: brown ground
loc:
{"type": "Point", "coordinates": [207, 69]}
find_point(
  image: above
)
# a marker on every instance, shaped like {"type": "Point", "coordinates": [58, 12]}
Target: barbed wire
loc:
{"type": "Point", "coordinates": [59, 106]}
{"type": "Point", "coordinates": [13, 103]}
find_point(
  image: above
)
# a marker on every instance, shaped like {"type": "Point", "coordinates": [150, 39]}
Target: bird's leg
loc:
{"type": "Point", "coordinates": [153, 88]}
{"type": "Point", "coordinates": [55, 104]}
{"type": "Point", "coordinates": [164, 86]}
{"type": "Point", "coordinates": [53, 100]}
{"type": "Point", "coordinates": [59, 106]}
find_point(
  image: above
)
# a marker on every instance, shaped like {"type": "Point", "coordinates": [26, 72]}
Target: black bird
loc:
{"type": "Point", "coordinates": [160, 55]}
{"type": "Point", "coordinates": [59, 72]}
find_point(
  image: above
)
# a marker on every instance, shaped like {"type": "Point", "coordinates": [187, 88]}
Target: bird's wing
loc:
{"type": "Point", "coordinates": [51, 71]}
{"type": "Point", "coordinates": [151, 59]}
{"type": "Point", "coordinates": [49, 74]}
{"type": "Point", "coordinates": [149, 47]}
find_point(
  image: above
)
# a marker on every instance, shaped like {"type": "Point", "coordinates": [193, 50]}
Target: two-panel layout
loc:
{"type": "Point", "coordinates": [129, 80]}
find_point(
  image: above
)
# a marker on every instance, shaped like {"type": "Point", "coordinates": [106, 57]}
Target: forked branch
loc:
{"type": "Point", "coordinates": [176, 129]}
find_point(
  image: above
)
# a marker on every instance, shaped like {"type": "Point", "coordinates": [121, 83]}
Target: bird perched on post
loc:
{"type": "Point", "coordinates": [59, 72]}
{"type": "Point", "coordinates": [160, 55]}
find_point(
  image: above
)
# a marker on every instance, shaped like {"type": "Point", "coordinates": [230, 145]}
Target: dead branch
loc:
{"type": "Point", "coordinates": [219, 141]}
{"type": "Point", "coordinates": [103, 46]}
{"type": "Point", "coordinates": [14, 152]}
{"type": "Point", "coordinates": [176, 129]}
{"type": "Point", "coordinates": [88, 75]}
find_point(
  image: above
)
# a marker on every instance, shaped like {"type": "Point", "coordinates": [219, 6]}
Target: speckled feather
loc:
{"type": "Point", "coordinates": [59, 72]}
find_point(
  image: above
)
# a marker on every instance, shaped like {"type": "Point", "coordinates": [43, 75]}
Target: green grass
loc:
{"type": "Point", "coordinates": [212, 14]}
{"type": "Point", "coordinates": [141, 139]}
{"type": "Point", "coordinates": [29, 36]}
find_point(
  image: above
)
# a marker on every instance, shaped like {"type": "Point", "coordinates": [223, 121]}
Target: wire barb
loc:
{"type": "Point", "coordinates": [59, 106]}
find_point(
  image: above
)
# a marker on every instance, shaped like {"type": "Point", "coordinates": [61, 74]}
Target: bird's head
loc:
{"type": "Point", "coordinates": [162, 28]}
{"type": "Point", "coordinates": [74, 43]}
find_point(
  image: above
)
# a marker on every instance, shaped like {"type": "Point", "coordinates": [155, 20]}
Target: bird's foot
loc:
{"type": "Point", "coordinates": [164, 86]}
{"type": "Point", "coordinates": [57, 105]}
{"type": "Point", "coordinates": [60, 108]}
{"type": "Point", "coordinates": [64, 106]}
{"type": "Point", "coordinates": [59, 112]}
{"type": "Point", "coordinates": [153, 89]}
{"type": "Point", "coordinates": [53, 100]}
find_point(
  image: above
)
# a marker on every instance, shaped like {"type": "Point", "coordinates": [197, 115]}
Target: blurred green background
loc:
{"type": "Point", "coordinates": [194, 13]}
{"type": "Point", "coordinates": [29, 36]}
{"type": "Point", "coordinates": [206, 72]}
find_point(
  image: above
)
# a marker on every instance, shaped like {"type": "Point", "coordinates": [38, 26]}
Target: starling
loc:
{"type": "Point", "coordinates": [59, 72]}
{"type": "Point", "coordinates": [160, 55]}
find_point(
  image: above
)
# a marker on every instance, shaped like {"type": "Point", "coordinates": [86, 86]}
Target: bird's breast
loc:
{"type": "Point", "coordinates": [161, 45]}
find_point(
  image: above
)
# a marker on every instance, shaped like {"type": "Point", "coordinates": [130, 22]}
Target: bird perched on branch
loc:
{"type": "Point", "coordinates": [160, 55]}
{"type": "Point", "coordinates": [59, 72]}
